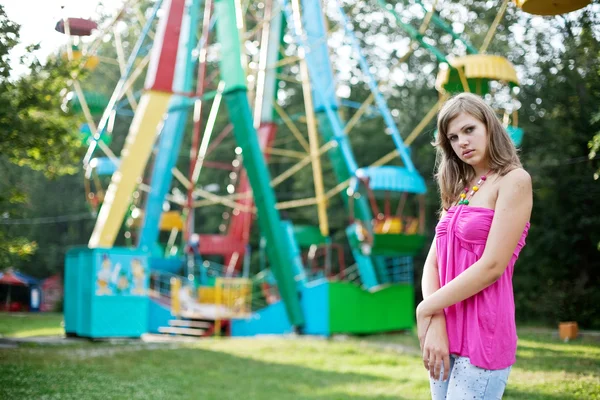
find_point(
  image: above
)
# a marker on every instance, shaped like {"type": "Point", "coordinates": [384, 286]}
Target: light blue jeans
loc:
{"type": "Point", "coordinates": [468, 382]}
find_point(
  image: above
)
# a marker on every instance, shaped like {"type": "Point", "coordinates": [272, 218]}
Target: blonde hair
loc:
{"type": "Point", "coordinates": [452, 174]}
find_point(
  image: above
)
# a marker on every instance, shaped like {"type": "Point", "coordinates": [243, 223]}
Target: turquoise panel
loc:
{"type": "Point", "coordinates": [158, 315]}
{"type": "Point", "coordinates": [271, 320]}
{"type": "Point", "coordinates": [72, 289]}
{"type": "Point", "coordinates": [118, 316]}
{"type": "Point", "coordinates": [315, 305]}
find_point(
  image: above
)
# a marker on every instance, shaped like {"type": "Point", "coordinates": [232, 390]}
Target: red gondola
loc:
{"type": "Point", "coordinates": [77, 26]}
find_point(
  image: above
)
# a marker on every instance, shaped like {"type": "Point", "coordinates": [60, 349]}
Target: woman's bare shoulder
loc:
{"type": "Point", "coordinates": [516, 184]}
{"type": "Point", "coordinates": [517, 176]}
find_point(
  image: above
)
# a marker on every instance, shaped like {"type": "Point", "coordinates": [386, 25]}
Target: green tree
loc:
{"type": "Point", "coordinates": [34, 132]}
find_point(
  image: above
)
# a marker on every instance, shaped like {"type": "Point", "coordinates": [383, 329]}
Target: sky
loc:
{"type": "Point", "coordinates": [38, 18]}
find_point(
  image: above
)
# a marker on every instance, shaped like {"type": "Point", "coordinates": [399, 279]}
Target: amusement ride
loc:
{"type": "Point", "coordinates": [203, 136]}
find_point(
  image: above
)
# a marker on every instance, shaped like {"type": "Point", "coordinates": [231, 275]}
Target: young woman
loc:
{"type": "Point", "coordinates": [466, 322]}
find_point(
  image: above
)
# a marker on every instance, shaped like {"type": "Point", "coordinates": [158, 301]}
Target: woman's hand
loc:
{"type": "Point", "coordinates": [435, 347]}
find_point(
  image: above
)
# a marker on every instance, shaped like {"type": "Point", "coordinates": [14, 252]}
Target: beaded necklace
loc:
{"type": "Point", "coordinates": [464, 199]}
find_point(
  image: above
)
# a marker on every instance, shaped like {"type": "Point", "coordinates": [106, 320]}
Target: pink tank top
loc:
{"type": "Point", "coordinates": [481, 327]}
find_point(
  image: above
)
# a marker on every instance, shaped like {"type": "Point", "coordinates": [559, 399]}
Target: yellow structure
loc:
{"type": "Point", "coordinates": [175, 300]}
{"type": "Point", "coordinates": [234, 295]}
{"type": "Point", "coordinates": [138, 146]}
{"type": "Point", "coordinates": [551, 7]}
{"type": "Point", "coordinates": [206, 295]}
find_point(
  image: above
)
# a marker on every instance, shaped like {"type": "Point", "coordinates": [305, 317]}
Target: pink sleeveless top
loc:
{"type": "Point", "coordinates": [481, 327]}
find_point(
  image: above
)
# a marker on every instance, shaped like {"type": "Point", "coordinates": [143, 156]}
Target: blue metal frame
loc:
{"type": "Point", "coordinates": [381, 104]}
{"type": "Point", "coordinates": [338, 130]}
{"type": "Point", "coordinates": [130, 62]}
{"type": "Point", "coordinates": [316, 31]}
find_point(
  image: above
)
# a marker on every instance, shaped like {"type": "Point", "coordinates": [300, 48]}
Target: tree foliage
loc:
{"type": "Point", "coordinates": [34, 132]}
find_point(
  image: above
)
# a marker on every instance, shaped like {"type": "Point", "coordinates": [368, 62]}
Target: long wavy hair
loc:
{"type": "Point", "coordinates": [452, 174]}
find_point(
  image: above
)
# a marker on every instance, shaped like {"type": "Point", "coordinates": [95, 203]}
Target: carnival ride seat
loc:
{"type": "Point", "coordinates": [91, 61]}
{"type": "Point", "coordinates": [96, 102]}
{"type": "Point", "coordinates": [77, 26]}
{"type": "Point", "coordinates": [554, 7]}
{"type": "Point", "coordinates": [472, 73]}
{"type": "Point", "coordinates": [170, 220]}
{"type": "Point", "coordinates": [391, 235]}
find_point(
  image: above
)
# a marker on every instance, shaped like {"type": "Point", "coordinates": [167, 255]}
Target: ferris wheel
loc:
{"type": "Point", "coordinates": [241, 119]}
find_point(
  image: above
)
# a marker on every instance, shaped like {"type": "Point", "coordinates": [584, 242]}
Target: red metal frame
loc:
{"type": "Point", "coordinates": [161, 68]}
{"type": "Point", "coordinates": [238, 234]}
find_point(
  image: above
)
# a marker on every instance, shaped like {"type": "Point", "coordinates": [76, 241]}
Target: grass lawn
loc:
{"type": "Point", "coordinates": [27, 324]}
{"type": "Point", "coordinates": [272, 368]}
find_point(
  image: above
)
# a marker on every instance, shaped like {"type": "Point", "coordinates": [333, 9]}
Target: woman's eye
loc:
{"type": "Point", "coordinates": [453, 138]}
{"type": "Point", "coordinates": [469, 129]}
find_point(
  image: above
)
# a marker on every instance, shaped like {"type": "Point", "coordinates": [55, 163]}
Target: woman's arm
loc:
{"type": "Point", "coordinates": [430, 282]}
{"type": "Point", "coordinates": [434, 345]}
{"type": "Point", "coordinates": [513, 210]}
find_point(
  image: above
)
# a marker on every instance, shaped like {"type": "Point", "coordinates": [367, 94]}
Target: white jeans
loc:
{"type": "Point", "coordinates": [468, 382]}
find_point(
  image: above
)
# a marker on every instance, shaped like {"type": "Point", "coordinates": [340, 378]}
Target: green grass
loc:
{"type": "Point", "coordinates": [275, 368]}
{"type": "Point", "coordinates": [20, 325]}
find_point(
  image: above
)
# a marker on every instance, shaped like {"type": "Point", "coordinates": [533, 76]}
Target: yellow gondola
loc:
{"type": "Point", "coordinates": [91, 61]}
{"type": "Point", "coordinates": [169, 220]}
{"type": "Point", "coordinates": [472, 73]}
{"type": "Point", "coordinates": [551, 7]}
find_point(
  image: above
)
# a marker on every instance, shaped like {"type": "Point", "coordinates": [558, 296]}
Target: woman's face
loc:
{"type": "Point", "coordinates": [468, 138]}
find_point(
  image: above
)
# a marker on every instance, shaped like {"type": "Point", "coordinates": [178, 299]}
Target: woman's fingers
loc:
{"type": "Point", "coordinates": [439, 361]}
{"type": "Point", "coordinates": [426, 359]}
{"type": "Point", "coordinates": [432, 363]}
{"type": "Point", "coordinates": [435, 362]}
{"type": "Point", "coordinates": [446, 367]}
